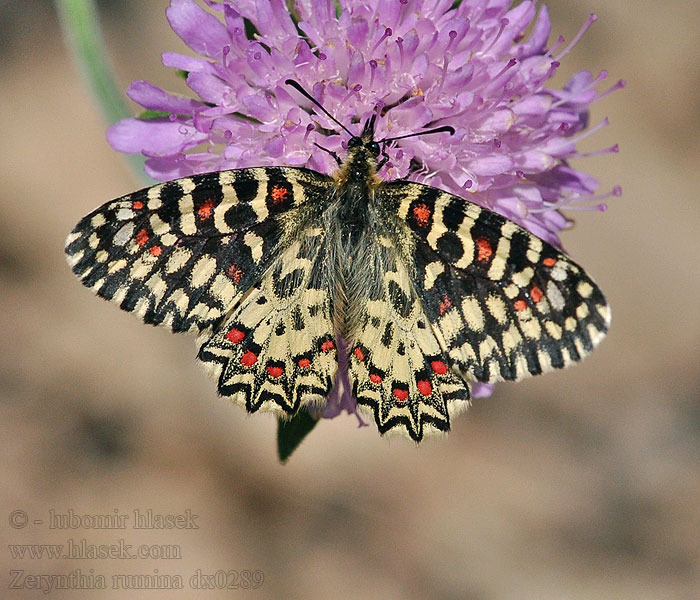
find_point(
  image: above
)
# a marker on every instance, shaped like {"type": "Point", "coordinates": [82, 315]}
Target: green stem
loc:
{"type": "Point", "coordinates": [83, 35]}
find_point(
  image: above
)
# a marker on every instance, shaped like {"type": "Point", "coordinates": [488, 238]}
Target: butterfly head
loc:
{"type": "Point", "coordinates": [362, 161]}
{"type": "Point", "coordinates": [364, 144]}
{"type": "Point", "coordinates": [364, 147]}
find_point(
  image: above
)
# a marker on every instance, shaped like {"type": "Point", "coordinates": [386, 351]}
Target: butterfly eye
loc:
{"type": "Point", "coordinates": [373, 147]}
{"type": "Point", "coordinates": [354, 142]}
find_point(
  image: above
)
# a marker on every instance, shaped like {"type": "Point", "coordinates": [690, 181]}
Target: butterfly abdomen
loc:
{"type": "Point", "coordinates": [349, 250]}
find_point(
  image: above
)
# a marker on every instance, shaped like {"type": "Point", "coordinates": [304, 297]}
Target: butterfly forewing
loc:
{"type": "Point", "coordinates": [183, 253]}
{"type": "Point", "coordinates": [503, 303]}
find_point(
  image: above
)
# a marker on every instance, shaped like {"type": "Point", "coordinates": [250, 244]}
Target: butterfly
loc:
{"type": "Point", "coordinates": [280, 270]}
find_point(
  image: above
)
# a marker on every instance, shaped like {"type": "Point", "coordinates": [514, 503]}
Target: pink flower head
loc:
{"type": "Point", "coordinates": [424, 63]}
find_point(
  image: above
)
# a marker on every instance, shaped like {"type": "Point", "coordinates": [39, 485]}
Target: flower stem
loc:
{"type": "Point", "coordinates": [83, 35]}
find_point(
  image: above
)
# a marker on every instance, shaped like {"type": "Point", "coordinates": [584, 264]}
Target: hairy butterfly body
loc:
{"type": "Point", "coordinates": [272, 266]}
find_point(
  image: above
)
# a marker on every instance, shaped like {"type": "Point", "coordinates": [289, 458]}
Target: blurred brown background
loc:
{"type": "Point", "coordinates": [582, 484]}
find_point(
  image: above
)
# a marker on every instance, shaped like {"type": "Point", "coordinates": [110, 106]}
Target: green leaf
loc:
{"type": "Point", "coordinates": [250, 30]}
{"type": "Point", "coordinates": [291, 432]}
{"type": "Point", "coordinates": [153, 114]}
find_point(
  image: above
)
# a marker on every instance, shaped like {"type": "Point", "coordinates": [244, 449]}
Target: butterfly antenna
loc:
{"type": "Point", "coordinates": [306, 94]}
{"type": "Point", "coordinates": [447, 128]}
{"type": "Point", "coordinates": [333, 154]}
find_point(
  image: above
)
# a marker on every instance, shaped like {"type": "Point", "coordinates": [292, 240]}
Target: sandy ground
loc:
{"type": "Point", "coordinates": [577, 485]}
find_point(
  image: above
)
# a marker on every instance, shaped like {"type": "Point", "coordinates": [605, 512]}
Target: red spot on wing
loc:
{"type": "Point", "coordinates": [359, 355]}
{"type": "Point", "coordinates": [445, 304]}
{"type": "Point", "coordinates": [375, 378]}
{"type": "Point", "coordinates": [156, 250]}
{"type": "Point", "coordinates": [235, 336]}
{"type": "Point", "coordinates": [304, 363]}
{"type": "Point", "coordinates": [137, 205]}
{"type": "Point", "coordinates": [400, 395]}
{"type": "Point", "coordinates": [536, 294]}
{"type": "Point", "coordinates": [484, 250]}
{"type": "Point", "coordinates": [249, 358]}
{"type": "Point", "coordinates": [278, 193]}
{"type": "Point", "coordinates": [205, 211]}
{"type": "Point", "coordinates": [141, 237]}
{"type": "Point", "coordinates": [274, 371]}
{"type": "Point", "coordinates": [235, 273]}
{"type": "Point", "coordinates": [327, 346]}
{"type": "Point", "coordinates": [549, 262]}
{"type": "Point", "coordinates": [421, 213]}
{"type": "Point", "coordinates": [520, 305]}
{"type": "Point", "coordinates": [424, 387]}
{"type": "Point", "coordinates": [438, 367]}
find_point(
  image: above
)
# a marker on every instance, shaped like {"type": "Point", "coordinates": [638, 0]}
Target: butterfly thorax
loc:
{"type": "Point", "coordinates": [358, 171]}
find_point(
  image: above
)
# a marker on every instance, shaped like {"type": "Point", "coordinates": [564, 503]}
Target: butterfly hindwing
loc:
{"type": "Point", "coordinates": [397, 369]}
{"type": "Point", "coordinates": [503, 303]}
{"type": "Point", "coordinates": [275, 350]}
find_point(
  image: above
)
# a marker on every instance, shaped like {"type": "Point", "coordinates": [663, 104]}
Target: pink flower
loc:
{"type": "Point", "coordinates": [426, 64]}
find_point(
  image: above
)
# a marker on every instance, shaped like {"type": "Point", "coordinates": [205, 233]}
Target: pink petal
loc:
{"type": "Point", "coordinates": [491, 165]}
{"type": "Point", "coordinates": [187, 63]}
{"type": "Point", "coordinates": [275, 146]}
{"type": "Point", "coordinates": [534, 161]}
{"type": "Point", "coordinates": [537, 41]}
{"type": "Point", "coordinates": [536, 105]}
{"type": "Point", "coordinates": [273, 20]}
{"type": "Point", "coordinates": [558, 147]}
{"type": "Point", "coordinates": [199, 29]}
{"type": "Point", "coordinates": [499, 121]}
{"type": "Point", "coordinates": [210, 88]}
{"type": "Point", "coordinates": [155, 136]}
{"type": "Point", "coordinates": [149, 96]}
